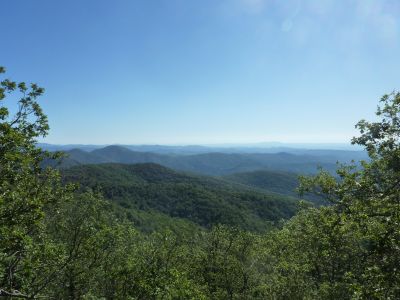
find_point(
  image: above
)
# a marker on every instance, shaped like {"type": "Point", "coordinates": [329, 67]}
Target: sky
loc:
{"type": "Point", "coordinates": [203, 71]}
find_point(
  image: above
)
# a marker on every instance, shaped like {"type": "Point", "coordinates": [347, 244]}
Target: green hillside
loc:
{"type": "Point", "coordinates": [205, 201]}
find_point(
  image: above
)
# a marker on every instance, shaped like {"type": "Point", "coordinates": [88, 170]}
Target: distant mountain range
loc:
{"type": "Point", "coordinates": [300, 161]}
{"type": "Point", "coordinates": [272, 147]}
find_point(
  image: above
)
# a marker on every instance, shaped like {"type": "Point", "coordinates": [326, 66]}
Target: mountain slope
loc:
{"type": "Point", "coordinates": [201, 200]}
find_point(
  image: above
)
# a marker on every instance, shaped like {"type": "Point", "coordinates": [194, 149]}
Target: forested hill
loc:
{"type": "Point", "coordinates": [213, 163]}
{"type": "Point", "coordinates": [205, 201]}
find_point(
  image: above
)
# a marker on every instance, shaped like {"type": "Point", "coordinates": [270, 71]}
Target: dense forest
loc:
{"type": "Point", "coordinates": [110, 230]}
{"type": "Point", "coordinates": [150, 188]}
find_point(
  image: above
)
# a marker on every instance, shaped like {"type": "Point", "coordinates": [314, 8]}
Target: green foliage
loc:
{"type": "Point", "coordinates": [313, 256]}
{"type": "Point", "coordinates": [200, 200]}
{"type": "Point", "coordinates": [224, 264]}
{"type": "Point", "coordinates": [358, 236]}
{"type": "Point", "coordinates": [26, 190]}
{"type": "Point", "coordinates": [86, 234]}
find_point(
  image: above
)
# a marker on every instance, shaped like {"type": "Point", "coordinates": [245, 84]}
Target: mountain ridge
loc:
{"type": "Point", "coordinates": [213, 163]}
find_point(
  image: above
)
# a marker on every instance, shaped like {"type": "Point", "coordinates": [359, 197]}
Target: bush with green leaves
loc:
{"type": "Point", "coordinates": [351, 248]}
{"type": "Point", "coordinates": [26, 189]}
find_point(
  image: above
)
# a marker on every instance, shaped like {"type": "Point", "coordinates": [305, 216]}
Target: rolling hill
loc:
{"type": "Point", "coordinates": [204, 201]}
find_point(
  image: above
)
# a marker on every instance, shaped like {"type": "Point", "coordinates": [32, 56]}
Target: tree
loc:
{"type": "Point", "coordinates": [225, 264]}
{"type": "Point", "coordinates": [93, 246]}
{"type": "Point", "coordinates": [26, 189]}
{"type": "Point", "coordinates": [367, 200]}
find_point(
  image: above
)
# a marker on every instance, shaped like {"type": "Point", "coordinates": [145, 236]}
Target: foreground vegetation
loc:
{"type": "Point", "coordinates": [61, 242]}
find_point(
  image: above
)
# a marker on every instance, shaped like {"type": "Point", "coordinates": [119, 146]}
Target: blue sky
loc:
{"type": "Point", "coordinates": [203, 71]}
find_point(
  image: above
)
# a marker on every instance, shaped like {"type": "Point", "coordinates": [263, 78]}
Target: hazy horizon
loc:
{"type": "Point", "coordinates": [243, 146]}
